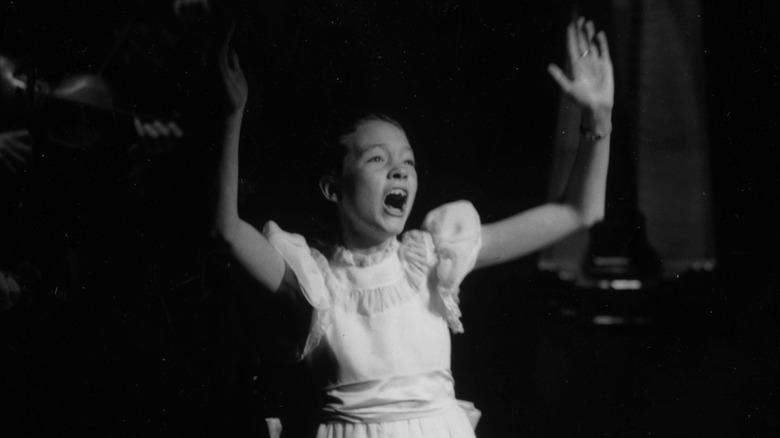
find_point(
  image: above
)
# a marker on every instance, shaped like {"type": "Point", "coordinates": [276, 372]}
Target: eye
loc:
{"type": "Point", "coordinates": [410, 162]}
{"type": "Point", "coordinates": [375, 159]}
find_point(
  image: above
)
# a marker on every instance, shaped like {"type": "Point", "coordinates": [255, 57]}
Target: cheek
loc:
{"type": "Point", "coordinates": [352, 184]}
{"type": "Point", "coordinates": [414, 184]}
{"type": "Point", "coordinates": [364, 189]}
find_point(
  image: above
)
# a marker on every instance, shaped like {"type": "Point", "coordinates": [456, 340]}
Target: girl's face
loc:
{"type": "Point", "coordinates": [378, 184]}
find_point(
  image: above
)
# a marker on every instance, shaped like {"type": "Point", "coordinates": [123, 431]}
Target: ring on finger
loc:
{"type": "Point", "coordinates": [585, 53]}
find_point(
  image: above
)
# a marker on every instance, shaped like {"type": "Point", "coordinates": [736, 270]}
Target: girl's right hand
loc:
{"type": "Point", "coordinates": [232, 90]}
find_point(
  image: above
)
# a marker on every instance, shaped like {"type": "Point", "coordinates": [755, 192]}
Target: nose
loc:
{"type": "Point", "coordinates": [398, 172]}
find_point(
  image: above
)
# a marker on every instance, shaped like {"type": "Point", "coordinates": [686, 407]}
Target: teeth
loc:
{"type": "Point", "coordinates": [396, 199]}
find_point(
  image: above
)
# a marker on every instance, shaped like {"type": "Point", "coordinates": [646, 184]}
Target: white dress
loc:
{"type": "Point", "coordinates": [379, 342]}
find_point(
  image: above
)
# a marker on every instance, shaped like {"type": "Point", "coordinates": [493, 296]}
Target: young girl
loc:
{"type": "Point", "coordinates": [371, 318]}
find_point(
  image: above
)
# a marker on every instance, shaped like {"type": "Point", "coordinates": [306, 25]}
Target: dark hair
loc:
{"type": "Point", "coordinates": [332, 141]}
{"type": "Point", "coordinates": [331, 150]}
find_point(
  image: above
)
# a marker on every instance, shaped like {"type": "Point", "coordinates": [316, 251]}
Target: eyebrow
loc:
{"type": "Point", "coordinates": [371, 147]}
{"type": "Point", "coordinates": [379, 145]}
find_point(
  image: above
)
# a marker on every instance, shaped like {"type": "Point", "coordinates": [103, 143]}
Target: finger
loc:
{"type": "Point", "coordinates": [559, 77]}
{"type": "Point", "coordinates": [21, 147]}
{"type": "Point", "coordinates": [582, 38]}
{"type": "Point", "coordinates": [161, 129]}
{"type": "Point", "coordinates": [177, 132]}
{"type": "Point", "coordinates": [225, 37]}
{"type": "Point", "coordinates": [234, 65]}
{"type": "Point", "coordinates": [9, 165]}
{"type": "Point", "coordinates": [139, 129]}
{"type": "Point", "coordinates": [571, 41]}
{"type": "Point", "coordinates": [13, 286]}
{"type": "Point", "coordinates": [20, 133]}
{"type": "Point", "coordinates": [590, 32]}
{"type": "Point", "coordinates": [150, 131]}
{"type": "Point", "coordinates": [13, 152]}
{"type": "Point", "coordinates": [601, 37]}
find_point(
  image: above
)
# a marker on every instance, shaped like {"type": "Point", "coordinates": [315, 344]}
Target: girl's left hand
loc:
{"type": "Point", "coordinates": [592, 85]}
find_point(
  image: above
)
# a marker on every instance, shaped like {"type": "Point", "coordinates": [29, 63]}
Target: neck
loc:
{"type": "Point", "coordinates": [365, 246]}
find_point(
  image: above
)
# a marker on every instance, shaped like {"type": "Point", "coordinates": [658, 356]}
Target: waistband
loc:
{"type": "Point", "coordinates": [392, 399]}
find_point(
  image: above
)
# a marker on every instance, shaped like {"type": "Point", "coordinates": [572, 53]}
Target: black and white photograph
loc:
{"type": "Point", "coordinates": [401, 219]}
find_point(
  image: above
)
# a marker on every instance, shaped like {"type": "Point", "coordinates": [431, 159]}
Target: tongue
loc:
{"type": "Point", "coordinates": [395, 200]}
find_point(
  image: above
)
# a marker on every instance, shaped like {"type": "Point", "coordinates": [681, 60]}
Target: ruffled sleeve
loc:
{"type": "Point", "coordinates": [307, 266]}
{"type": "Point", "coordinates": [457, 237]}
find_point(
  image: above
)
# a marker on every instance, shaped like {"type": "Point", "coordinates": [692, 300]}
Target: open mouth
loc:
{"type": "Point", "coordinates": [396, 200]}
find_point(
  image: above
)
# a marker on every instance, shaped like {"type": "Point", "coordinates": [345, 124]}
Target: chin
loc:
{"type": "Point", "coordinates": [395, 226]}
{"type": "Point", "coordinates": [387, 225]}
{"type": "Point", "coordinates": [395, 231]}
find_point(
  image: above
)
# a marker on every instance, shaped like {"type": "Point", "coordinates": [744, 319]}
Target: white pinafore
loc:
{"type": "Point", "coordinates": [379, 340]}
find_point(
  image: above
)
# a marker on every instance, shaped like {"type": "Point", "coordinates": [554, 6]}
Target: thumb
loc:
{"type": "Point", "coordinates": [559, 77]}
{"type": "Point", "coordinates": [233, 60]}
{"type": "Point", "coordinates": [225, 33]}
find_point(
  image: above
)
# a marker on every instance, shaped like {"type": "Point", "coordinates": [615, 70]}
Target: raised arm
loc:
{"type": "Point", "coordinates": [241, 240]}
{"type": "Point", "coordinates": [591, 87]}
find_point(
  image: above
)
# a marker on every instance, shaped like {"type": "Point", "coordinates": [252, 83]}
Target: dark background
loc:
{"type": "Point", "coordinates": [138, 346]}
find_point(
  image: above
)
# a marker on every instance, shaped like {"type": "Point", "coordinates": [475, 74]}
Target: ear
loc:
{"type": "Point", "coordinates": [329, 187]}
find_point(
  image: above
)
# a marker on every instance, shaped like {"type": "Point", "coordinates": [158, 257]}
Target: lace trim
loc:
{"type": "Point", "coordinates": [365, 302]}
{"type": "Point", "coordinates": [350, 258]}
{"type": "Point", "coordinates": [449, 289]}
{"type": "Point", "coordinates": [321, 318]}
{"type": "Point", "coordinates": [419, 251]}
{"type": "Point", "coordinates": [418, 256]}
{"type": "Point", "coordinates": [369, 301]}
{"type": "Point", "coordinates": [379, 299]}
{"type": "Point", "coordinates": [449, 298]}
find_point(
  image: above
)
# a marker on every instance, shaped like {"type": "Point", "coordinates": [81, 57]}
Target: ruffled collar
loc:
{"type": "Point", "coordinates": [345, 256]}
